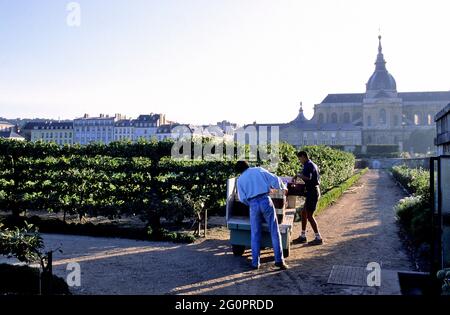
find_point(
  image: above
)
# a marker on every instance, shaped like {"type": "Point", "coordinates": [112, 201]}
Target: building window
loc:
{"type": "Point", "coordinates": [396, 121]}
{"type": "Point", "coordinates": [320, 118]}
{"type": "Point", "coordinates": [416, 119]}
{"type": "Point", "coordinates": [369, 121]}
{"type": "Point", "coordinates": [357, 116]}
{"type": "Point", "coordinates": [334, 118]}
{"type": "Point", "coordinates": [383, 116]}
{"type": "Point", "coordinates": [430, 119]}
{"type": "Point", "coordinates": [346, 118]}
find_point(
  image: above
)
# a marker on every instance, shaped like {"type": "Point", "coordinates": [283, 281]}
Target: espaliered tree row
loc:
{"type": "Point", "coordinates": [132, 179]}
{"type": "Point", "coordinates": [335, 166]}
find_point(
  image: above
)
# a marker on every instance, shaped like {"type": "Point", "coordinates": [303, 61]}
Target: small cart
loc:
{"type": "Point", "coordinates": [238, 222]}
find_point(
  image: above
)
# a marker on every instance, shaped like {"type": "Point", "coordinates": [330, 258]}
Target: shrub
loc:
{"type": "Point", "coordinates": [414, 212]}
{"type": "Point", "coordinates": [25, 244]}
{"type": "Point", "coordinates": [335, 166]}
{"type": "Point", "coordinates": [134, 179]}
{"type": "Point", "coordinates": [334, 194]}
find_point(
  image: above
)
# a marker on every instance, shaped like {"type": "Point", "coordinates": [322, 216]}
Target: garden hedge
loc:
{"type": "Point", "coordinates": [138, 179]}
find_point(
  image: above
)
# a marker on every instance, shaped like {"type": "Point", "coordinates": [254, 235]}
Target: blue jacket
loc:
{"type": "Point", "coordinates": [256, 181]}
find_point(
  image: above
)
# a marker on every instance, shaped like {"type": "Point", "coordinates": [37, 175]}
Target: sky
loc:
{"type": "Point", "coordinates": [204, 61]}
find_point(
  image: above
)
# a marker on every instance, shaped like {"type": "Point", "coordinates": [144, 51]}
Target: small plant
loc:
{"type": "Point", "coordinates": [26, 245]}
{"type": "Point", "coordinates": [414, 212]}
{"type": "Point", "coordinates": [444, 276]}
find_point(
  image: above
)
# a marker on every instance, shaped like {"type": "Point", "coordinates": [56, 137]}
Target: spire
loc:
{"type": "Point", "coordinates": [380, 63]}
{"type": "Point", "coordinates": [381, 79]}
{"type": "Point", "coordinates": [301, 117]}
{"type": "Point", "coordinates": [380, 48]}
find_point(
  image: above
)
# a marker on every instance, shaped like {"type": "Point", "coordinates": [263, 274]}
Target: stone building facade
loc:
{"type": "Point", "coordinates": [59, 132]}
{"type": "Point", "coordinates": [381, 115]}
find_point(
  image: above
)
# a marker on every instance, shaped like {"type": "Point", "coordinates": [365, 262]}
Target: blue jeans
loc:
{"type": "Point", "coordinates": [261, 208]}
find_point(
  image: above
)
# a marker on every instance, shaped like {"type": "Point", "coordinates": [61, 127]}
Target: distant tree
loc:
{"type": "Point", "coordinates": [420, 141]}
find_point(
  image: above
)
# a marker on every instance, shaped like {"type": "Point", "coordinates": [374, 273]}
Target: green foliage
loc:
{"type": "Point", "coordinates": [139, 179]}
{"type": "Point", "coordinates": [421, 141]}
{"type": "Point", "coordinates": [415, 212]}
{"type": "Point", "coordinates": [334, 194]}
{"type": "Point", "coordinates": [415, 180]}
{"type": "Point", "coordinates": [24, 244]}
{"type": "Point", "coordinates": [382, 149]}
{"type": "Point", "coordinates": [335, 166]}
{"type": "Point", "coordinates": [176, 237]}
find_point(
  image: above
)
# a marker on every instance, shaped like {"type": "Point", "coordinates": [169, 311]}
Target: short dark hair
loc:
{"type": "Point", "coordinates": [241, 166]}
{"type": "Point", "coordinates": [303, 154]}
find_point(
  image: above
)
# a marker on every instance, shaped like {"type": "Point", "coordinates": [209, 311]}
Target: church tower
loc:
{"type": "Point", "coordinates": [382, 107]}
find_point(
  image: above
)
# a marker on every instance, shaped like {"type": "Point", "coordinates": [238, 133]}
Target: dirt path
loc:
{"type": "Point", "coordinates": [359, 229]}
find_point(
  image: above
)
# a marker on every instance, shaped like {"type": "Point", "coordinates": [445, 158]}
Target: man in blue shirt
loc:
{"type": "Point", "coordinates": [311, 176]}
{"type": "Point", "coordinates": [253, 187]}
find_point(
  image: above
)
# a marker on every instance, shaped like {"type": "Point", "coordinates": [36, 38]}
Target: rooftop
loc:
{"type": "Point", "coordinates": [437, 96]}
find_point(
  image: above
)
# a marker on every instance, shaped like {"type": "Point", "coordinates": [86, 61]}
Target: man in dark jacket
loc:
{"type": "Point", "coordinates": [311, 176]}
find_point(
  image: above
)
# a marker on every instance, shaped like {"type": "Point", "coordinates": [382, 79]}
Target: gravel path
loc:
{"type": "Point", "coordinates": [360, 228]}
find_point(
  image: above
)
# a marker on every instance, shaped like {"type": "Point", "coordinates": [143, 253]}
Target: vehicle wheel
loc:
{"type": "Point", "coordinates": [238, 250]}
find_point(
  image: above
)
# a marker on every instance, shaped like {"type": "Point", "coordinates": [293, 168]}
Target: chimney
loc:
{"type": "Point", "coordinates": [86, 116]}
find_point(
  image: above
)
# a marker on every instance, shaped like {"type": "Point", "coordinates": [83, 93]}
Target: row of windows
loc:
{"type": "Point", "coordinates": [383, 139]}
{"type": "Point", "coordinates": [53, 135]}
{"type": "Point", "coordinates": [94, 123]}
{"type": "Point", "coordinates": [345, 118]}
{"type": "Point", "coordinates": [333, 135]}
{"type": "Point", "coordinates": [94, 134]}
{"type": "Point", "coordinates": [331, 142]}
{"type": "Point", "coordinates": [417, 119]}
{"type": "Point", "coordinates": [83, 129]}
{"type": "Point", "coordinates": [57, 141]}
{"type": "Point", "coordinates": [51, 127]}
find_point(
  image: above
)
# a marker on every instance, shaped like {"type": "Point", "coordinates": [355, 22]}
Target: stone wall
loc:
{"type": "Point", "coordinates": [385, 163]}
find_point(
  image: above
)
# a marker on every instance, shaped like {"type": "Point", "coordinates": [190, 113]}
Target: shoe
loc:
{"type": "Point", "coordinates": [317, 241]}
{"type": "Point", "coordinates": [254, 267]}
{"type": "Point", "coordinates": [300, 240]}
{"type": "Point", "coordinates": [282, 265]}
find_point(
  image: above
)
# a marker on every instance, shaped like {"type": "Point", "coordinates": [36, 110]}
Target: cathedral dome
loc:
{"type": "Point", "coordinates": [381, 79]}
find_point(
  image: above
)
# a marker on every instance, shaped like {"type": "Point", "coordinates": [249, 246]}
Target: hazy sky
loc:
{"type": "Point", "coordinates": [202, 61]}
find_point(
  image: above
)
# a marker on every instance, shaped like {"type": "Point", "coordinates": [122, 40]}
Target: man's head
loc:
{"type": "Point", "coordinates": [241, 166]}
{"type": "Point", "coordinates": [303, 157]}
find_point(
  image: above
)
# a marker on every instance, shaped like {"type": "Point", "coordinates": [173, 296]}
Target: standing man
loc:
{"type": "Point", "coordinates": [310, 175]}
{"type": "Point", "coordinates": [253, 187]}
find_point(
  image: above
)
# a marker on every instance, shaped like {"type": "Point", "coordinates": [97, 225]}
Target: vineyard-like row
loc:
{"type": "Point", "coordinates": [132, 179]}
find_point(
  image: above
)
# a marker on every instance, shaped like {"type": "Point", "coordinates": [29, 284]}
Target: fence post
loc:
{"type": "Point", "coordinates": [206, 222]}
{"type": "Point", "coordinates": [49, 273]}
